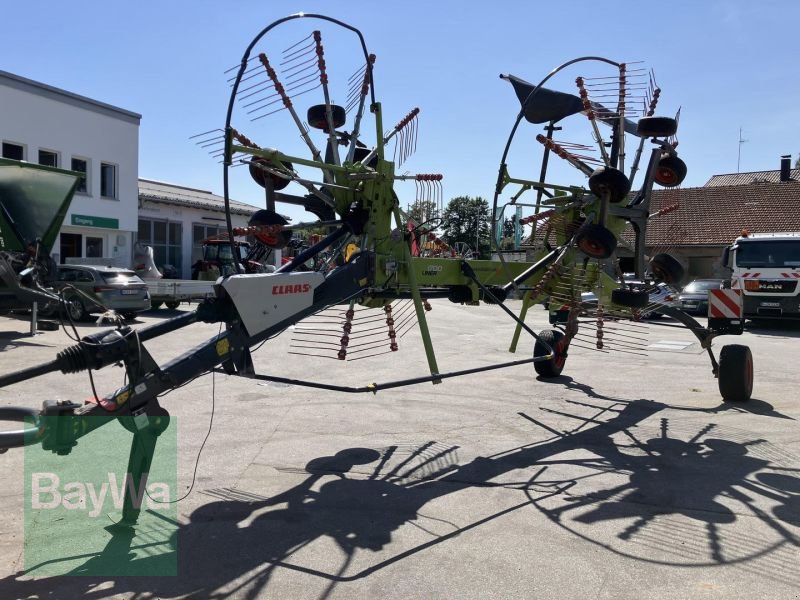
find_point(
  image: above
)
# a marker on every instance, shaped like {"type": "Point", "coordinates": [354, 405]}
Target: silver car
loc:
{"type": "Point", "coordinates": [90, 289]}
{"type": "Point", "coordinates": [694, 297]}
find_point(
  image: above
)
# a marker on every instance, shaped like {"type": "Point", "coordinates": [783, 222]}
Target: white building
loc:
{"type": "Point", "coordinates": [46, 125]}
{"type": "Point", "coordinates": [113, 207]}
{"type": "Point", "coordinates": [174, 220]}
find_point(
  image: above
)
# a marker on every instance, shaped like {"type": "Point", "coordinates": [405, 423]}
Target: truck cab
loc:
{"type": "Point", "coordinates": [766, 268]}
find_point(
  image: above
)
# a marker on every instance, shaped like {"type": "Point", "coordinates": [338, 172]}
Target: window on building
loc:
{"type": "Point", "coordinates": [94, 247]}
{"type": "Point", "coordinates": [48, 158]}
{"type": "Point", "coordinates": [81, 166]}
{"type": "Point", "coordinates": [108, 180]}
{"type": "Point", "coordinates": [13, 151]}
{"type": "Point", "coordinates": [166, 238]}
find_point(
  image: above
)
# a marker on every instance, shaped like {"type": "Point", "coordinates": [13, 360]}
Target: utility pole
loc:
{"type": "Point", "coordinates": [741, 141]}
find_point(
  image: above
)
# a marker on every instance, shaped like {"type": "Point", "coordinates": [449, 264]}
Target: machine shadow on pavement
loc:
{"type": "Point", "coordinates": [673, 492]}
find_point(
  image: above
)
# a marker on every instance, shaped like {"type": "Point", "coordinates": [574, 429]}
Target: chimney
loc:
{"type": "Point", "coordinates": [786, 165]}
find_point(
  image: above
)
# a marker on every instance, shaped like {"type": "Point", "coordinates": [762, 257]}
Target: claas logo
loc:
{"type": "Point", "coordinates": [299, 288]}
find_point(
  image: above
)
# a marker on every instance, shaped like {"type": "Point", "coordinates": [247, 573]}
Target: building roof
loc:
{"type": "Point", "coordinates": [178, 195]}
{"type": "Point", "coordinates": [716, 215]}
{"type": "Point", "coordinates": [54, 93]}
{"type": "Point", "coordinates": [751, 177]}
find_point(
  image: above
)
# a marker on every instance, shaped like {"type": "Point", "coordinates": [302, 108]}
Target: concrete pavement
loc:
{"type": "Point", "coordinates": [626, 477]}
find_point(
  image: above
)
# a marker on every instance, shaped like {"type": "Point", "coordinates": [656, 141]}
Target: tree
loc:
{"type": "Point", "coordinates": [424, 211]}
{"type": "Point", "coordinates": [797, 162]}
{"type": "Point", "coordinates": [466, 220]}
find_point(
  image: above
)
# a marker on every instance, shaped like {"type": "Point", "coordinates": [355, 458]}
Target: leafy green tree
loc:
{"type": "Point", "coordinates": [466, 220]}
{"type": "Point", "coordinates": [424, 211]}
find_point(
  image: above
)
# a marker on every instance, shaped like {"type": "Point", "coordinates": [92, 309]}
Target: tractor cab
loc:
{"type": "Point", "coordinates": [220, 257]}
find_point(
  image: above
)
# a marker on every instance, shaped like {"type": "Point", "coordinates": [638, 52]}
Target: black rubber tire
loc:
{"type": "Point", "coordinates": [630, 298]}
{"type": "Point", "coordinates": [607, 180]}
{"type": "Point", "coordinates": [172, 304]}
{"type": "Point", "coordinates": [260, 175]}
{"type": "Point", "coordinates": [46, 325]}
{"type": "Point", "coordinates": [499, 293]}
{"type": "Point", "coordinates": [670, 172]}
{"type": "Point", "coordinates": [553, 367]}
{"type": "Point", "coordinates": [459, 294]}
{"type": "Point", "coordinates": [129, 315]}
{"type": "Point", "coordinates": [318, 120]}
{"type": "Point", "coordinates": [735, 373]}
{"type": "Point", "coordinates": [596, 241]}
{"type": "Point", "coordinates": [656, 127]}
{"type": "Point", "coordinates": [666, 268]}
{"type": "Point", "coordinates": [155, 304]}
{"type": "Point", "coordinates": [270, 217]}
{"type": "Point", "coordinates": [75, 308]}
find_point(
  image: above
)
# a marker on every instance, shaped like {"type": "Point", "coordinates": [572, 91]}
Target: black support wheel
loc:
{"type": "Point", "coordinates": [156, 304]}
{"type": "Point", "coordinates": [610, 181]}
{"type": "Point", "coordinates": [735, 373]}
{"type": "Point", "coordinates": [267, 219]}
{"type": "Point", "coordinates": [630, 298]}
{"type": "Point", "coordinates": [555, 339]}
{"type": "Point", "coordinates": [318, 118]}
{"type": "Point", "coordinates": [260, 176]}
{"type": "Point", "coordinates": [596, 241]}
{"type": "Point", "coordinates": [670, 172]}
{"type": "Point", "coordinates": [666, 268]}
{"type": "Point", "coordinates": [172, 304]}
{"type": "Point", "coordinates": [656, 127]}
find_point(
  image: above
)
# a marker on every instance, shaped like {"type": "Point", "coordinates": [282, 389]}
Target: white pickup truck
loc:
{"type": "Point", "coordinates": [171, 292]}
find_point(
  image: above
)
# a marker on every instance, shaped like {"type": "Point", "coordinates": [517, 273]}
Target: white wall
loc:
{"type": "Point", "coordinates": [75, 129]}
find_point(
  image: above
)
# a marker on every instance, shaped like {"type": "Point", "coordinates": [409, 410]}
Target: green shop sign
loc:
{"type": "Point", "coordinates": [87, 221]}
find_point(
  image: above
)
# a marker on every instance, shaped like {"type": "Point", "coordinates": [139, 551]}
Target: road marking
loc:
{"type": "Point", "coordinates": [669, 345]}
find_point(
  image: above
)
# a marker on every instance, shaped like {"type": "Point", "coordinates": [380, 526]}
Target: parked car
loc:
{"type": "Point", "coordinates": [660, 294]}
{"type": "Point", "coordinates": [694, 297]}
{"type": "Point", "coordinates": [99, 289]}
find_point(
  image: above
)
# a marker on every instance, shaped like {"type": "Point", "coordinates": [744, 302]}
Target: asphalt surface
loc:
{"type": "Point", "coordinates": [626, 477]}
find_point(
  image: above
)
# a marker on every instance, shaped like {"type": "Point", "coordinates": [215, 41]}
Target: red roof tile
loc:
{"type": "Point", "coordinates": [716, 215]}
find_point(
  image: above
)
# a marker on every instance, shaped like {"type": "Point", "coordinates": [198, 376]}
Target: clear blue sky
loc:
{"type": "Point", "coordinates": [728, 64]}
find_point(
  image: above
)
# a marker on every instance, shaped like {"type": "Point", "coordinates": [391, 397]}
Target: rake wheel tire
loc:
{"type": "Point", "coordinates": [666, 268]}
{"type": "Point", "coordinates": [630, 298]}
{"type": "Point", "coordinates": [735, 373]}
{"type": "Point", "coordinates": [610, 181]}
{"type": "Point", "coordinates": [172, 304]}
{"type": "Point", "coordinates": [317, 118]}
{"type": "Point", "coordinates": [670, 172]}
{"type": "Point", "coordinates": [656, 127]}
{"type": "Point", "coordinates": [553, 367]}
{"type": "Point", "coordinates": [596, 241]}
{"type": "Point", "coordinates": [265, 217]}
{"type": "Point", "coordinates": [260, 176]}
